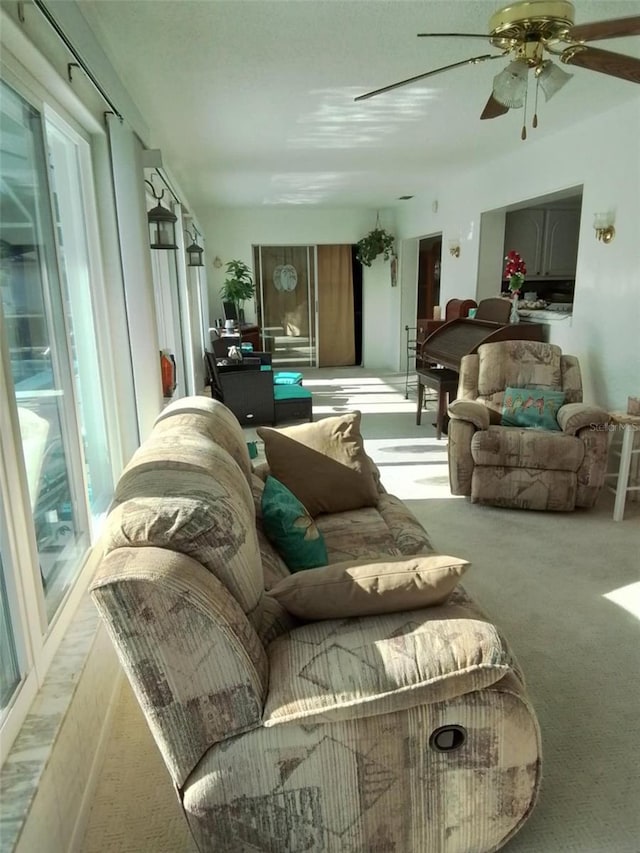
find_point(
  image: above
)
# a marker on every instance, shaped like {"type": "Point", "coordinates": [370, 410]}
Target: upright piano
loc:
{"type": "Point", "coordinates": [441, 353]}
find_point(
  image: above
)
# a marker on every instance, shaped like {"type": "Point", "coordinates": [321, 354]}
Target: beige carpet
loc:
{"type": "Point", "coordinates": [564, 588]}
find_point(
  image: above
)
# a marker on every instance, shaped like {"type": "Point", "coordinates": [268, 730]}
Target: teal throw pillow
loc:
{"type": "Point", "coordinates": [534, 408]}
{"type": "Point", "coordinates": [291, 529]}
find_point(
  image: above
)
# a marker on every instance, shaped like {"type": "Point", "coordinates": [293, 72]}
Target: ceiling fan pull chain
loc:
{"type": "Point", "coordinates": [534, 123]}
{"type": "Point", "coordinates": [523, 134]}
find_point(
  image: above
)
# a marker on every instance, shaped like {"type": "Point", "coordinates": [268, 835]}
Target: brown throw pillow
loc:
{"type": "Point", "coordinates": [323, 463]}
{"type": "Point", "coordinates": [364, 588]}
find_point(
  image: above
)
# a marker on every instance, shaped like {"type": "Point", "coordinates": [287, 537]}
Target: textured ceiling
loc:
{"type": "Point", "coordinates": [251, 101]}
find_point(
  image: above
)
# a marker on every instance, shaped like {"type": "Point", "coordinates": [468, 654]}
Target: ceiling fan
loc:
{"type": "Point", "coordinates": [527, 32]}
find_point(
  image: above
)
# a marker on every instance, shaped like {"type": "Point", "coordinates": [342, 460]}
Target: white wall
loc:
{"type": "Point", "coordinates": [603, 156]}
{"type": "Point", "coordinates": [232, 232]}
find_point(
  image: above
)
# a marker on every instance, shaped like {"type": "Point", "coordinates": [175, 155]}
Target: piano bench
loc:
{"type": "Point", "coordinates": [442, 380]}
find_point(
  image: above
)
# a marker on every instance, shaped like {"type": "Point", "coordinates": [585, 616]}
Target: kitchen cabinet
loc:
{"type": "Point", "coordinates": [547, 239]}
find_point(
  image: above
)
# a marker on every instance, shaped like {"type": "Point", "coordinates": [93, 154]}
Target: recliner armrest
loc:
{"type": "Point", "coordinates": [344, 669]}
{"type": "Point", "coordinates": [469, 410]}
{"type": "Point", "coordinates": [572, 417]}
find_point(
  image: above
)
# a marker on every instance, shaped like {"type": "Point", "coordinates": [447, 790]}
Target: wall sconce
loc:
{"type": "Point", "coordinates": [217, 262]}
{"type": "Point", "coordinates": [194, 252]}
{"type": "Point", "coordinates": [162, 224]}
{"type": "Point", "coordinates": [603, 224]}
{"type": "Point", "coordinates": [454, 248]}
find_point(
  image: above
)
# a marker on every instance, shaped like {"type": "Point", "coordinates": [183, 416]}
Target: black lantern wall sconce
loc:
{"type": "Point", "coordinates": [194, 252]}
{"type": "Point", "coordinates": [162, 224]}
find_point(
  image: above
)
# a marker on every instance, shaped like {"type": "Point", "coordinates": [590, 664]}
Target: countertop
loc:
{"type": "Point", "coordinates": [542, 315]}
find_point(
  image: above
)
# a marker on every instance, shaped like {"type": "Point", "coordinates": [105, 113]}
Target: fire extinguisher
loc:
{"type": "Point", "coordinates": [168, 371]}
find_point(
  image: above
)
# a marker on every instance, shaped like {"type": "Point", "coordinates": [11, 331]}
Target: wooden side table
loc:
{"type": "Point", "coordinates": [630, 425]}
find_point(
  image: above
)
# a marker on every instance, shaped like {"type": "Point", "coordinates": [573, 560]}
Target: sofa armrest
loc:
{"type": "Point", "coordinates": [469, 410]}
{"type": "Point", "coordinates": [572, 417]}
{"type": "Point", "coordinates": [196, 665]}
{"type": "Point", "coordinates": [344, 669]}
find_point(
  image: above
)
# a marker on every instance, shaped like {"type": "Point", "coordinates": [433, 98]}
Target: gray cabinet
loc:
{"type": "Point", "coordinates": [523, 233]}
{"type": "Point", "coordinates": [547, 239]}
{"type": "Point", "coordinates": [560, 244]}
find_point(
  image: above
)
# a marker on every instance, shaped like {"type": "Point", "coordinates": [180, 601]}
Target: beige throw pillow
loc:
{"type": "Point", "coordinates": [364, 588]}
{"type": "Point", "coordinates": [323, 463]}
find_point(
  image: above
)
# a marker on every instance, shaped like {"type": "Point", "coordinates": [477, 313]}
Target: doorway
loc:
{"type": "Point", "coordinates": [429, 264]}
{"type": "Point", "coordinates": [337, 306]}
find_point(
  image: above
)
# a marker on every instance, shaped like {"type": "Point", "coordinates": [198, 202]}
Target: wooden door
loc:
{"type": "Point", "coordinates": [429, 261]}
{"type": "Point", "coordinates": [336, 339]}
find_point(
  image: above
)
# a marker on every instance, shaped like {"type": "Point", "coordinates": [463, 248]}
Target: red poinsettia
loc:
{"type": "Point", "coordinates": [515, 270]}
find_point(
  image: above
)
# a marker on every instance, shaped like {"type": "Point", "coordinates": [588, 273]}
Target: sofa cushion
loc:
{"type": "Point", "coordinates": [518, 364]}
{"type": "Point", "coordinates": [511, 447]}
{"type": "Point", "coordinates": [323, 463]}
{"type": "Point", "coordinates": [345, 669]}
{"type": "Point", "coordinates": [534, 408]}
{"type": "Point", "coordinates": [290, 391]}
{"type": "Point", "coordinates": [187, 494]}
{"type": "Point", "coordinates": [211, 418]}
{"type": "Point", "coordinates": [365, 588]}
{"type": "Point", "coordinates": [408, 534]}
{"type": "Point", "coordinates": [290, 527]}
{"type": "Point", "coordinates": [287, 377]}
{"type": "Point", "coordinates": [357, 534]}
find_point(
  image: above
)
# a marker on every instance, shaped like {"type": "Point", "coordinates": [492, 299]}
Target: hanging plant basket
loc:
{"type": "Point", "coordinates": [377, 242]}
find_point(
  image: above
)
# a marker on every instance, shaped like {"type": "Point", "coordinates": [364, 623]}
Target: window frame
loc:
{"type": "Point", "coordinates": [36, 641]}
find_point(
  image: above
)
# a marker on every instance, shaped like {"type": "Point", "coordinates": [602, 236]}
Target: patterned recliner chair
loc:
{"type": "Point", "coordinates": [408, 731]}
{"type": "Point", "coordinates": [524, 468]}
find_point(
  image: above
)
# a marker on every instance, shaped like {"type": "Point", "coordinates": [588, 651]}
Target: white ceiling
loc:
{"type": "Point", "coordinates": [251, 101]}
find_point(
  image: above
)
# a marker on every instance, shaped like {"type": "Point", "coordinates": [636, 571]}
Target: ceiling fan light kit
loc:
{"type": "Point", "coordinates": [528, 30]}
{"type": "Point", "coordinates": [510, 85]}
{"type": "Point", "coordinates": [551, 78]}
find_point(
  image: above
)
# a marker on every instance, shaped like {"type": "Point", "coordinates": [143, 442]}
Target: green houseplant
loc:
{"type": "Point", "coordinates": [238, 285]}
{"type": "Point", "coordinates": [377, 242]}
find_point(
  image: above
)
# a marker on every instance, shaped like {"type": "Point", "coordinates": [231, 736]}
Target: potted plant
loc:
{"type": "Point", "coordinates": [377, 242]}
{"type": "Point", "coordinates": [238, 285]}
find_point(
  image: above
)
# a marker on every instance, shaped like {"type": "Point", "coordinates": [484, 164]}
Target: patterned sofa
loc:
{"type": "Point", "coordinates": [408, 731]}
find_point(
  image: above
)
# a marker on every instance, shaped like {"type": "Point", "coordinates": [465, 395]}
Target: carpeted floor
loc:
{"type": "Point", "coordinates": [564, 588]}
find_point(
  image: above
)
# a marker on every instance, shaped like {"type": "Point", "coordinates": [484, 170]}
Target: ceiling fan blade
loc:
{"type": "Point", "coordinates": [614, 28]}
{"type": "Point", "coordinates": [473, 61]}
{"type": "Point", "coordinates": [454, 35]}
{"type": "Point", "coordinates": [493, 108]}
{"type": "Point", "coordinates": [594, 59]}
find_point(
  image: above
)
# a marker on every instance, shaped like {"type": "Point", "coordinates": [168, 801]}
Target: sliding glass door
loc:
{"type": "Point", "coordinates": [286, 299]}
